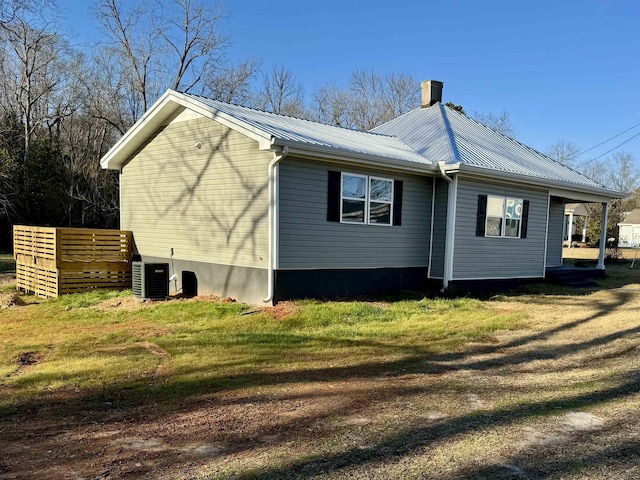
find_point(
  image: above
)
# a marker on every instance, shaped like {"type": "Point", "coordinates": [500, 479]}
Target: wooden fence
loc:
{"type": "Point", "coordinates": [54, 261]}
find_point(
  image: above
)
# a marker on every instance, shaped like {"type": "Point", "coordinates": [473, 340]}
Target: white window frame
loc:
{"type": "Point", "coordinates": [367, 199]}
{"type": "Point", "coordinates": [503, 225]}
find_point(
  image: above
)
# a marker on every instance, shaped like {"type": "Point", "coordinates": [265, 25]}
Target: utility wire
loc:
{"type": "Point", "coordinates": [607, 140]}
{"type": "Point", "coordinates": [609, 151]}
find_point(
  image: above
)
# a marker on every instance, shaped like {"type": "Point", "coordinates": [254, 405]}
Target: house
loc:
{"type": "Point", "coordinates": [264, 207]}
{"type": "Point", "coordinates": [629, 230]}
{"type": "Point", "coordinates": [572, 211]}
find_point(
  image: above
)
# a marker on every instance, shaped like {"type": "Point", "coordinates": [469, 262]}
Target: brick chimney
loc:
{"type": "Point", "coordinates": [431, 92]}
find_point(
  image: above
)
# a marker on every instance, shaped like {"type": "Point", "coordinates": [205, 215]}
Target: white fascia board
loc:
{"type": "Point", "coordinates": [264, 139]}
{"type": "Point", "coordinates": [133, 138]}
{"type": "Point", "coordinates": [158, 114]}
{"type": "Point", "coordinates": [581, 193]}
{"type": "Point", "coordinates": [584, 196]}
{"type": "Point", "coordinates": [332, 154]}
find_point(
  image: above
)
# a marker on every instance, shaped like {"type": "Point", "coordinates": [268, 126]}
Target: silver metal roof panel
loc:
{"type": "Point", "coordinates": [431, 130]}
{"type": "Point", "coordinates": [287, 130]}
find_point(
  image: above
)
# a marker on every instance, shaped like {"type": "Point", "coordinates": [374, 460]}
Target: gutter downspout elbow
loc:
{"type": "Point", "coordinates": [273, 219]}
{"type": "Point", "coordinates": [450, 227]}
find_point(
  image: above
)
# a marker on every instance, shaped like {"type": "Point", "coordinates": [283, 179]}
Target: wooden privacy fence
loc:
{"type": "Point", "coordinates": [54, 261]}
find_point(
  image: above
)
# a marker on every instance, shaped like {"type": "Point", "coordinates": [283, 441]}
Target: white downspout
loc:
{"type": "Point", "coordinates": [273, 219]}
{"type": "Point", "coordinates": [451, 226]}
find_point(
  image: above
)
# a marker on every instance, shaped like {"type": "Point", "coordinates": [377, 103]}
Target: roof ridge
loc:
{"type": "Point", "coordinates": [367, 132]}
{"type": "Point", "coordinates": [448, 132]}
{"type": "Point", "coordinates": [527, 147]}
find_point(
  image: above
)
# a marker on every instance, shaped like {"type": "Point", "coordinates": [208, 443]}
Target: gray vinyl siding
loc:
{"type": "Point", "coordinates": [209, 203]}
{"type": "Point", "coordinates": [439, 228]}
{"type": "Point", "coordinates": [485, 257]}
{"type": "Point", "coordinates": [308, 241]}
{"type": "Point", "coordinates": [556, 227]}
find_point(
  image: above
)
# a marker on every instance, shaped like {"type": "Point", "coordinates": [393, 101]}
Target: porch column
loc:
{"type": "Point", "coordinates": [584, 229]}
{"type": "Point", "coordinates": [603, 235]}
{"type": "Point", "coordinates": [570, 233]}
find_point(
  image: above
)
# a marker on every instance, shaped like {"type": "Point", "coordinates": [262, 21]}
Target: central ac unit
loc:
{"type": "Point", "coordinates": [150, 280]}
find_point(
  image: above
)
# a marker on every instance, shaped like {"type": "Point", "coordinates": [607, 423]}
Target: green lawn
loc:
{"type": "Point", "coordinates": [541, 384]}
{"type": "Point", "coordinates": [225, 345]}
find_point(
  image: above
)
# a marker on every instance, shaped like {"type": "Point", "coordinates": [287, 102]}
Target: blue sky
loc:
{"type": "Point", "coordinates": [563, 69]}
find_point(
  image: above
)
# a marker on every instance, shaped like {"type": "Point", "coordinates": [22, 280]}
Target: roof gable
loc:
{"type": "Point", "coordinates": [270, 130]}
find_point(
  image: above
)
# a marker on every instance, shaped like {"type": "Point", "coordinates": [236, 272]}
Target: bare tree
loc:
{"type": "Point", "coordinates": [135, 43]}
{"type": "Point", "coordinates": [194, 37]}
{"type": "Point", "coordinates": [154, 45]}
{"type": "Point", "coordinates": [369, 100]}
{"type": "Point", "coordinates": [281, 93]}
{"type": "Point", "coordinates": [35, 72]}
{"type": "Point", "coordinates": [623, 173]}
{"type": "Point", "coordinates": [563, 152]}
{"type": "Point", "coordinates": [402, 93]}
{"type": "Point", "coordinates": [9, 9]}
{"type": "Point", "coordinates": [501, 122]}
{"type": "Point", "coordinates": [332, 106]}
{"type": "Point", "coordinates": [369, 106]}
{"type": "Point", "coordinates": [232, 84]}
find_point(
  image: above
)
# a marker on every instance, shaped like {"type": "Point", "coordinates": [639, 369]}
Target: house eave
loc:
{"type": "Point", "coordinates": [344, 156]}
{"type": "Point", "coordinates": [558, 188]}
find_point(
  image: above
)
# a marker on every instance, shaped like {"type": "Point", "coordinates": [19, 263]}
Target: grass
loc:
{"type": "Point", "coordinates": [396, 388]}
{"type": "Point", "coordinates": [91, 348]}
{"type": "Point", "coordinates": [7, 263]}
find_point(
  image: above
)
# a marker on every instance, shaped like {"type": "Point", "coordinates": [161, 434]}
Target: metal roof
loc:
{"type": "Point", "coordinates": [417, 140]}
{"type": "Point", "coordinates": [446, 135]}
{"type": "Point", "coordinates": [290, 130]}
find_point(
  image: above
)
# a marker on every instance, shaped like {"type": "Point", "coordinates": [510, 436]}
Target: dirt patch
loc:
{"type": "Point", "coordinates": [163, 357]}
{"type": "Point", "coordinates": [25, 360]}
{"type": "Point", "coordinates": [209, 298]}
{"type": "Point", "coordinates": [282, 310]}
{"type": "Point", "coordinates": [10, 299]}
{"type": "Point", "coordinates": [126, 304]}
{"type": "Point", "coordinates": [29, 358]}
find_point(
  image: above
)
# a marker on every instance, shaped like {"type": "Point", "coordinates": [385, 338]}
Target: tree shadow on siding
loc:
{"type": "Point", "coordinates": [235, 215]}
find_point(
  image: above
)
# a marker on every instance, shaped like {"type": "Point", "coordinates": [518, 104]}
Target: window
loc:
{"type": "Point", "coordinates": [504, 217]}
{"type": "Point", "coordinates": [380, 200]}
{"type": "Point", "coordinates": [367, 200]}
{"type": "Point", "coordinates": [363, 199]}
{"type": "Point", "coordinates": [354, 198]}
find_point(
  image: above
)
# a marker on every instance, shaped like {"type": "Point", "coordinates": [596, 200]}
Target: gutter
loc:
{"type": "Point", "coordinates": [536, 182]}
{"type": "Point", "coordinates": [273, 221]}
{"type": "Point", "coordinates": [451, 226]}
{"type": "Point", "coordinates": [330, 153]}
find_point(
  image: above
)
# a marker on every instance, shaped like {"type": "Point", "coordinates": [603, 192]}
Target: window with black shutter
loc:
{"type": "Point", "coordinates": [364, 199]}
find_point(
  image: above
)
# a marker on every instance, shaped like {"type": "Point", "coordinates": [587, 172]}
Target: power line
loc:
{"type": "Point", "coordinates": [607, 140]}
{"type": "Point", "coordinates": [609, 151]}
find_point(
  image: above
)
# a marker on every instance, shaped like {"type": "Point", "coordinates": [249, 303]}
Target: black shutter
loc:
{"type": "Point", "coordinates": [481, 215]}
{"type": "Point", "coordinates": [333, 197]}
{"type": "Point", "coordinates": [525, 219]}
{"type": "Point", "coordinates": [397, 202]}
